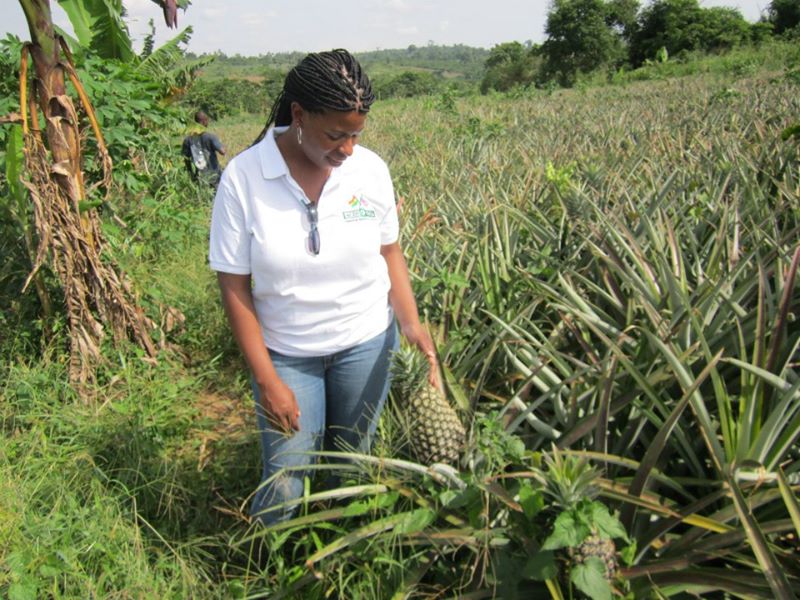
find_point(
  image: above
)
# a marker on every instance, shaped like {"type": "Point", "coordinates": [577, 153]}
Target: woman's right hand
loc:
{"type": "Point", "coordinates": [277, 399]}
{"type": "Point", "coordinates": [280, 406]}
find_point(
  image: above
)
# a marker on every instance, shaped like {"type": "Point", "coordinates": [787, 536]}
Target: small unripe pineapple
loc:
{"type": "Point", "coordinates": [597, 547]}
{"type": "Point", "coordinates": [435, 433]}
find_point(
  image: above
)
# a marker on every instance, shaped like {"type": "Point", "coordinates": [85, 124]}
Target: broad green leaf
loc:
{"type": "Point", "coordinates": [589, 577]}
{"type": "Point", "coordinates": [165, 58]}
{"type": "Point", "coordinates": [628, 553]}
{"type": "Point", "coordinates": [386, 500]}
{"type": "Point", "coordinates": [607, 525]}
{"type": "Point", "coordinates": [236, 589]}
{"type": "Point", "coordinates": [791, 131]}
{"type": "Point", "coordinates": [415, 521]}
{"type": "Point", "coordinates": [87, 205]}
{"type": "Point", "coordinates": [568, 531]}
{"type": "Point", "coordinates": [24, 589]}
{"type": "Point", "coordinates": [541, 566]}
{"type": "Point", "coordinates": [51, 569]}
{"type": "Point", "coordinates": [355, 509]}
{"type": "Point", "coordinates": [458, 499]}
{"type": "Point", "coordinates": [81, 19]}
{"type": "Point", "coordinates": [99, 26]}
{"type": "Point", "coordinates": [18, 561]}
{"type": "Point", "coordinates": [531, 500]}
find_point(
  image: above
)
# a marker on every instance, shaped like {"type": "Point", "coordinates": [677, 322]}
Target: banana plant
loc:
{"type": "Point", "coordinates": [100, 29]}
{"type": "Point", "coordinates": [68, 228]}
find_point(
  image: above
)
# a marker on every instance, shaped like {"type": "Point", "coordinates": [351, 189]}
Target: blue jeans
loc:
{"type": "Point", "coordinates": [340, 397]}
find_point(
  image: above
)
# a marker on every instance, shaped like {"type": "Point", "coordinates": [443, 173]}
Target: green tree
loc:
{"type": "Point", "coordinates": [665, 24]}
{"type": "Point", "coordinates": [584, 35]}
{"type": "Point", "coordinates": [223, 97]}
{"type": "Point", "coordinates": [684, 26]}
{"type": "Point", "coordinates": [621, 15]}
{"type": "Point", "coordinates": [408, 84]}
{"type": "Point", "coordinates": [723, 28]}
{"type": "Point", "coordinates": [784, 15]}
{"type": "Point", "coordinates": [509, 64]}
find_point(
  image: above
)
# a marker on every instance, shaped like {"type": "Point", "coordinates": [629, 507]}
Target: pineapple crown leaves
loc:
{"type": "Point", "coordinates": [567, 479]}
{"type": "Point", "coordinates": [409, 369]}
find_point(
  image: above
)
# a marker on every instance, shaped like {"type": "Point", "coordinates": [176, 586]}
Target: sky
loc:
{"type": "Point", "coordinates": [255, 27]}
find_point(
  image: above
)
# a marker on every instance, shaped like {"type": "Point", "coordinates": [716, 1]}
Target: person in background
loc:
{"type": "Point", "coordinates": [200, 149]}
{"type": "Point", "coordinates": [304, 240]}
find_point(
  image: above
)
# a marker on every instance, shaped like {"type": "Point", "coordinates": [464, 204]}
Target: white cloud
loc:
{"type": "Point", "coordinates": [384, 5]}
{"type": "Point", "coordinates": [258, 19]}
{"type": "Point", "coordinates": [407, 30]}
{"type": "Point", "coordinates": [141, 8]}
{"type": "Point", "coordinates": [212, 12]}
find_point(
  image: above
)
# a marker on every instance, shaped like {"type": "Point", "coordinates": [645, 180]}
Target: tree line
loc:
{"type": "Point", "coordinates": [582, 37]}
{"type": "Point", "coordinates": [586, 36]}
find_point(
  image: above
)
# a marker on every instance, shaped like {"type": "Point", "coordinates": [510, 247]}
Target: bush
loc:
{"type": "Point", "coordinates": [225, 97]}
{"type": "Point", "coordinates": [408, 84]}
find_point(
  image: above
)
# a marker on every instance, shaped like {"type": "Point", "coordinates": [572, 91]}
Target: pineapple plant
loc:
{"type": "Point", "coordinates": [433, 429]}
{"type": "Point", "coordinates": [583, 531]}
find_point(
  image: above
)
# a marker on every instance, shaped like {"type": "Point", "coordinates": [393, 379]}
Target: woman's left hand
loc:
{"type": "Point", "coordinates": [418, 336]}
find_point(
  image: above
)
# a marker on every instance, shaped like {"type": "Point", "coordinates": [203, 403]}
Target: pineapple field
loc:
{"type": "Point", "coordinates": [610, 275]}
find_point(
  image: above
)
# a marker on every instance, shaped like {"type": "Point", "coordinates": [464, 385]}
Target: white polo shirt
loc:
{"type": "Point", "coordinates": [307, 305]}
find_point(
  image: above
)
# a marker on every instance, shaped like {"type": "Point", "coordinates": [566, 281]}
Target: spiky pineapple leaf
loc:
{"type": "Point", "coordinates": [589, 577]}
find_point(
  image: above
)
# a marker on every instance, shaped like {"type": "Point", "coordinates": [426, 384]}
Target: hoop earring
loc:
{"type": "Point", "coordinates": [299, 136]}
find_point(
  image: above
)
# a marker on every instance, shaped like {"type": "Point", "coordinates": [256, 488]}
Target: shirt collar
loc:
{"type": "Point", "coordinates": [272, 163]}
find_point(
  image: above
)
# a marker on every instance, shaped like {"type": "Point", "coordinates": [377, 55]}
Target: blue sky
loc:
{"type": "Point", "coordinates": [252, 27]}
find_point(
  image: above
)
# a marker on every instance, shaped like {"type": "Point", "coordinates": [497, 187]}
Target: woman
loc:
{"type": "Point", "coordinates": [304, 239]}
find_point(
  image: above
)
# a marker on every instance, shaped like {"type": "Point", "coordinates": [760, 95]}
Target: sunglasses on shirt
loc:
{"type": "Point", "coordinates": [313, 235]}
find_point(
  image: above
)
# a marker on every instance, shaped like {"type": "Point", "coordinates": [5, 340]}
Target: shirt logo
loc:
{"type": "Point", "coordinates": [358, 209]}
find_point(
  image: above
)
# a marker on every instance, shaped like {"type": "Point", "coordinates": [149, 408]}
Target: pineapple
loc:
{"type": "Point", "coordinates": [570, 484]}
{"type": "Point", "coordinates": [598, 547]}
{"type": "Point", "coordinates": [435, 432]}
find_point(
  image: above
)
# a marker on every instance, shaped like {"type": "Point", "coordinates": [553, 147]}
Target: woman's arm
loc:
{"type": "Point", "coordinates": [276, 397]}
{"type": "Point", "coordinates": [401, 297]}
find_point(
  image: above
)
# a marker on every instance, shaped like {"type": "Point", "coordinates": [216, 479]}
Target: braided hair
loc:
{"type": "Point", "coordinates": [322, 81]}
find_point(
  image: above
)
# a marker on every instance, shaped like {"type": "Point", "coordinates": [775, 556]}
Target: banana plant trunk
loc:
{"type": "Point", "coordinates": [61, 131]}
{"type": "Point", "coordinates": [96, 295]}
